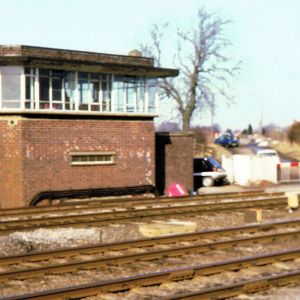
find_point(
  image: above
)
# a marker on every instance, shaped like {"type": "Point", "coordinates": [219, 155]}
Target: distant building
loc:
{"type": "Point", "coordinates": [75, 121]}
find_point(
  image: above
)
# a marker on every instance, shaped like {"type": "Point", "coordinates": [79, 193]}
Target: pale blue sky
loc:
{"type": "Point", "coordinates": [265, 35]}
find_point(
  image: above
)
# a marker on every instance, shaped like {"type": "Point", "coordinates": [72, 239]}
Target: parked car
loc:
{"type": "Point", "coordinates": [227, 140]}
{"type": "Point", "coordinates": [263, 143]}
{"type": "Point", "coordinates": [207, 172]}
{"type": "Point", "coordinates": [268, 153]}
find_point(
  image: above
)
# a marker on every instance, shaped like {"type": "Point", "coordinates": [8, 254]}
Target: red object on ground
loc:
{"type": "Point", "coordinates": [176, 190]}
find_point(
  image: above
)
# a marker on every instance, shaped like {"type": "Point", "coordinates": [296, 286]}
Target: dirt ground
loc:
{"type": "Point", "coordinates": [50, 239]}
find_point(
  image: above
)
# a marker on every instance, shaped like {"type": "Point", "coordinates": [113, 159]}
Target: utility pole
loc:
{"type": "Point", "coordinates": [261, 116]}
{"type": "Point", "coordinates": [213, 107]}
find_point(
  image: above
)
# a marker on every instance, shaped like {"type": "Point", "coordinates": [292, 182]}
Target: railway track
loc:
{"type": "Point", "coordinates": [151, 242]}
{"type": "Point", "coordinates": [146, 251]}
{"type": "Point", "coordinates": [186, 274]}
{"type": "Point", "coordinates": [250, 286]}
{"type": "Point", "coordinates": [291, 228]}
{"type": "Point", "coordinates": [15, 269]}
{"type": "Point", "coordinates": [126, 203]}
{"type": "Point", "coordinates": [94, 219]}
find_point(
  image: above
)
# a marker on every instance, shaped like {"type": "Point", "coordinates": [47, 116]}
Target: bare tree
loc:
{"type": "Point", "coordinates": [205, 69]}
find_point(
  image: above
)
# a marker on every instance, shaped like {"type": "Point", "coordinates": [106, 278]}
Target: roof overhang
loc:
{"type": "Point", "coordinates": [82, 61]}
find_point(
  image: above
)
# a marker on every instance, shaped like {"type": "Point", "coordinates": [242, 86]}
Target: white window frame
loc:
{"type": "Point", "coordinates": [112, 155]}
{"type": "Point", "coordinates": [112, 93]}
{"type": "Point", "coordinates": [76, 93]}
{"type": "Point", "coordinates": [37, 89]}
{"type": "Point", "coordinates": [110, 101]}
{"type": "Point", "coordinates": [146, 96]}
{"type": "Point", "coordinates": [23, 86]}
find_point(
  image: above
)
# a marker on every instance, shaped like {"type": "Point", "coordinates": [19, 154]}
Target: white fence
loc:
{"type": "Point", "coordinates": [288, 172]}
{"type": "Point", "coordinates": [247, 169]}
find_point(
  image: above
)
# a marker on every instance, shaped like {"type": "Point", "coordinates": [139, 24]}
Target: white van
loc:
{"type": "Point", "coordinates": [268, 153]}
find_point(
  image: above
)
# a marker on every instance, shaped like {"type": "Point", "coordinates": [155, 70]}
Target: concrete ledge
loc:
{"type": "Point", "coordinates": [166, 228]}
{"type": "Point", "coordinates": [293, 199]}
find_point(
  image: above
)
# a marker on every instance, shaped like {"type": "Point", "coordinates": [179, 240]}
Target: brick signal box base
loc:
{"type": "Point", "coordinates": [36, 155]}
{"type": "Point", "coordinates": [174, 159]}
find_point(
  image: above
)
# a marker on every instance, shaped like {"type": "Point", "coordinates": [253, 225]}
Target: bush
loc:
{"type": "Point", "coordinates": [293, 133]}
{"type": "Point", "coordinates": [201, 135]}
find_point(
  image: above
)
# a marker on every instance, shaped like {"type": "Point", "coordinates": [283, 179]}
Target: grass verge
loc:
{"type": "Point", "coordinates": [290, 150]}
{"type": "Point", "coordinates": [211, 150]}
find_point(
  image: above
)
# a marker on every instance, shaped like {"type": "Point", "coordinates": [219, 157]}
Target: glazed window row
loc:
{"type": "Point", "coordinates": [49, 89]}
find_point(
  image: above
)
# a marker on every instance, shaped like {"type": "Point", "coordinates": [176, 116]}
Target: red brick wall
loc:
{"type": "Point", "coordinates": [10, 162]}
{"type": "Point", "coordinates": [174, 159]}
{"type": "Point", "coordinates": [37, 155]}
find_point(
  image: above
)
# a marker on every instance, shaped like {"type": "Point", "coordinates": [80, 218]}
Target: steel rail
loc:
{"type": "Point", "coordinates": [200, 197]}
{"type": "Point", "coordinates": [165, 202]}
{"type": "Point", "coordinates": [157, 278]}
{"type": "Point", "coordinates": [125, 216]}
{"type": "Point", "coordinates": [148, 242]}
{"type": "Point", "coordinates": [107, 203]}
{"type": "Point", "coordinates": [249, 286]}
{"type": "Point", "coordinates": [148, 256]}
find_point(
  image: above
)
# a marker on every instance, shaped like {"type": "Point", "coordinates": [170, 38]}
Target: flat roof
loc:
{"type": "Point", "coordinates": [42, 57]}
